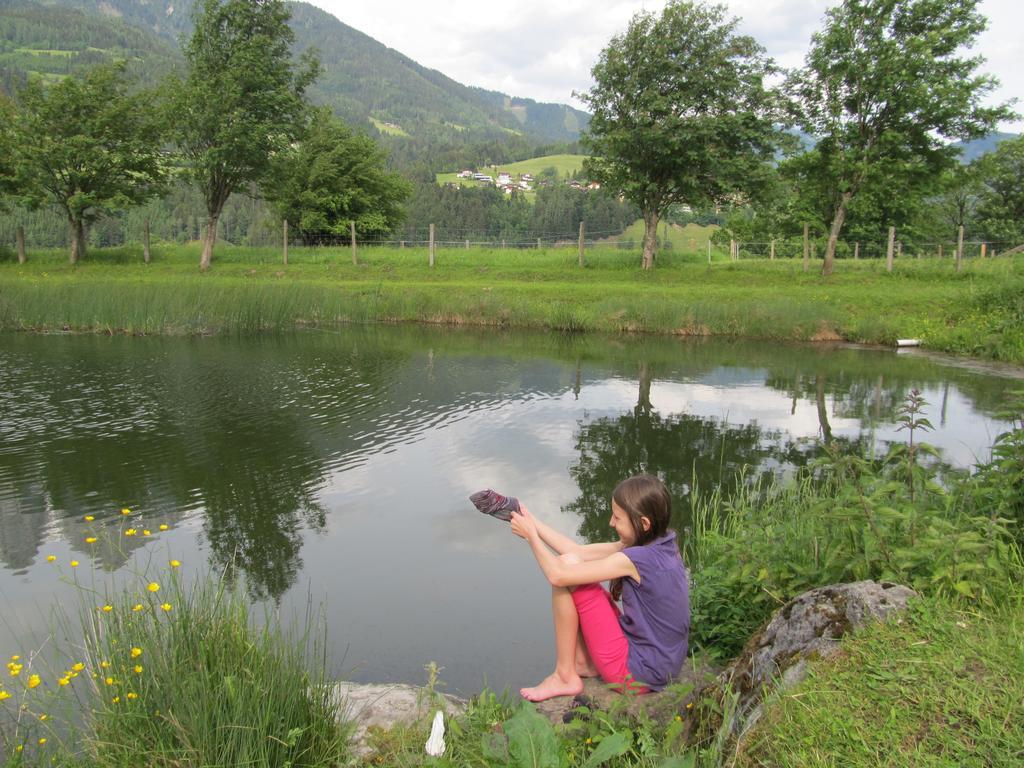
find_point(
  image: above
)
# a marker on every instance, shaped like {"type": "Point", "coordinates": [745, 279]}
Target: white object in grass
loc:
{"type": "Point", "coordinates": [435, 744]}
{"type": "Point", "coordinates": [908, 342]}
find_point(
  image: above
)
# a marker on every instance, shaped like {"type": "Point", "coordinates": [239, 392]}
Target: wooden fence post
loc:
{"type": "Point", "coordinates": [940, 250]}
{"type": "Point", "coordinates": [732, 249]}
{"type": "Point", "coordinates": [856, 251]}
{"type": "Point", "coordinates": [284, 241]}
{"type": "Point", "coordinates": [889, 249]}
{"type": "Point", "coordinates": [807, 249]}
{"type": "Point", "coordinates": [401, 244]}
{"type": "Point", "coordinates": [772, 252]}
{"type": "Point", "coordinates": [431, 262]}
{"type": "Point", "coordinates": [582, 230]}
{"type": "Point", "coordinates": [503, 244]}
{"type": "Point", "coordinates": [352, 232]}
{"type": "Point", "coordinates": [709, 252]}
{"type": "Point", "coordinates": [899, 249]}
{"type": "Point", "coordinates": [538, 243]}
{"type": "Point", "coordinates": [983, 248]}
{"type": "Point", "coordinates": [960, 248]}
{"type": "Point", "coordinates": [145, 242]}
{"type": "Point", "coordinates": [22, 257]}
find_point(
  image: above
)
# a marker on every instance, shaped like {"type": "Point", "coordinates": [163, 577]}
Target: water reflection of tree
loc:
{"type": "Point", "coordinates": [691, 454]}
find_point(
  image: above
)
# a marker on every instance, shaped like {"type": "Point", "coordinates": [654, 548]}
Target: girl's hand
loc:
{"type": "Point", "coordinates": [523, 523]}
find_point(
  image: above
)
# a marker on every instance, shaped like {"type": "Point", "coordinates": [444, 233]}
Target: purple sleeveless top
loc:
{"type": "Point", "coordinates": [656, 612]}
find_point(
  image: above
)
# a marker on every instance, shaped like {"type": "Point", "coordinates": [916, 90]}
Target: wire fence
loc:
{"type": "Point", "coordinates": [133, 229]}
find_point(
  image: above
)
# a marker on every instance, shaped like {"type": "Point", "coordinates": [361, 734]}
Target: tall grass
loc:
{"type": "Point", "coordinates": [248, 290]}
{"type": "Point", "coordinates": [850, 518]}
{"type": "Point", "coordinates": [168, 675]}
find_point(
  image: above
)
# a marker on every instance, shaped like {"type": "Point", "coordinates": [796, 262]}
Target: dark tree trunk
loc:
{"type": "Point", "coordinates": [650, 237]}
{"type": "Point", "coordinates": [833, 236]}
{"type": "Point", "coordinates": [208, 241]}
{"type": "Point", "coordinates": [76, 230]}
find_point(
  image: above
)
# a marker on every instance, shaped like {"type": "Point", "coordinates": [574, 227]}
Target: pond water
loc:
{"type": "Point", "coordinates": [335, 467]}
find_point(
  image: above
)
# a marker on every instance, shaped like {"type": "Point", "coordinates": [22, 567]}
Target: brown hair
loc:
{"type": "Point", "coordinates": [642, 496]}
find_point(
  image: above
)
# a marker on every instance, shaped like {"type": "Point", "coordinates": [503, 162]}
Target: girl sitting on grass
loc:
{"type": "Point", "coordinates": [640, 648]}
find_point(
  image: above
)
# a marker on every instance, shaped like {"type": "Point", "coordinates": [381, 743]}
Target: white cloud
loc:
{"type": "Point", "coordinates": [544, 50]}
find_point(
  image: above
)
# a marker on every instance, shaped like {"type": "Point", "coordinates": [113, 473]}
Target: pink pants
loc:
{"type": "Point", "coordinates": [606, 643]}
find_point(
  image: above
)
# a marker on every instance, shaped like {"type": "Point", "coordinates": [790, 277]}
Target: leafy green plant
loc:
{"type": "Point", "coordinates": [852, 518]}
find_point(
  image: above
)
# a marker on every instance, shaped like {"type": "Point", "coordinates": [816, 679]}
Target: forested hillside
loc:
{"type": "Point", "coordinates": [362, 79]}
{"type": "Point", "coordinates": [52, 43]}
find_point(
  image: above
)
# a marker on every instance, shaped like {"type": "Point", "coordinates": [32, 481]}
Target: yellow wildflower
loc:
{"type": "Point", "coordinates": [89, 518]}
{"type": "Point", "coordinates": [116, 699]}
{"type": "Point", "coordinates": [175, 563]}
{"type": "Point", "coordinates": [166, 606]}
{"type": "Point", "coordinates": [90, 539]}
{"type": "Point", "coordinates": [145, 532]}
{"type": "Point", "coordinates": [126, 511]}
{"type": "Point", "coordinates": [137, 607]}
{"type": "Point", "coordinates": [15, 657]}
{"type": "Point", "coordinates": [138, 669]}
{"type": "Point", "coordinates": [132, 695]}
{"type": "Point", "coordinates": [14, 669]}
{"type": "Point", "coordinates": [63, 681]}
{"type": "Point", "coordinates": [78, 667]}
{"type": "Point", "coordinates": [107, 608]}
{"type": "Point", "coordinates": [130, 532]}
{"type": "Point", "coordinates": [690, 705]}
{"type": "Point", "coordinates": [74, 563]}
{"type": "Point", "coordinates": [19, 748]}
{"type": "Point", "coordinates": [42, 718]}
{"type": "Point", "coordinates": [136, 652]}
{"type": "Point", "coordinates": [33, 681]}
{"type": "Point", "coordinates": [104, 664]}
{"type": "Point", "coordinates": [109, 681]}
{"type": "Point", "coordinates": [4, 695]}
{"type": "Point", "coordinates": [42, 740]}
{"type": "Point", "coordinates": [153, 587]}
{"type": "Point", "coordinates": [164, 526]}
{"type": "Point", "coordinates": [50, 558]}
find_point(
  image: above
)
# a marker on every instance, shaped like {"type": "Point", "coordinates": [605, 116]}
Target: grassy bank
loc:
{"type": "Point", "coordinates": [978, 312]}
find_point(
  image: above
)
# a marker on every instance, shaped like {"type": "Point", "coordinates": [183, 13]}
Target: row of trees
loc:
{"type": "Point", "coordinates": [684, 114]}
{"type": "Point", "coordinates": [986, 198]}
{"type": "Point", "coordinates": [235, 120]}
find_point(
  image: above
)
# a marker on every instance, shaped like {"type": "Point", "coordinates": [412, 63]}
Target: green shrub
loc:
{"type": "Point", "coordinates": [854, 518]}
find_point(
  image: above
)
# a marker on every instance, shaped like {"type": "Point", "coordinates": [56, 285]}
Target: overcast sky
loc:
{"type": "Point", "coordinates": [544, 49]}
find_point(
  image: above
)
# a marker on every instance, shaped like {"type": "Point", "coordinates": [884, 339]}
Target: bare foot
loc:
{"type": "Point", "coordinates": [586, 670]}
{"type": "Point", "coordinates": [552, 686]}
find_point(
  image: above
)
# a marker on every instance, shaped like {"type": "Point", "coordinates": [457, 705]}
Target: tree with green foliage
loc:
{"type": "Point", "coordinates": [681, 114]}
{"type": "Point", "coordinates": [1001, 208]}
{"type": "Point", "coordinates": [883, 85]}
{"type": "Point", "coordinates": [241, 101]}
{"type": "Point", "coordinates": [331, 177]}
{"type": "Point", "coordinates": [8, 177]}
{"type": "Point", "coordinates": [88, 146]}
{"type": "Point", "coordinates": [956, 205]}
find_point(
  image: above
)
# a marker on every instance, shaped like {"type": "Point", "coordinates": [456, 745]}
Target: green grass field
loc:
{"type": "Point", "coordinates": [565, 165]}
{"type": "Point", "coordinates": [692, 238]}
{"type": "Point", "coordinates": [979, 311]}
{"type": "Point", "coordinates": [390, 130]}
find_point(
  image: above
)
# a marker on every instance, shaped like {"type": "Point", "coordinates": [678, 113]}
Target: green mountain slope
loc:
{"type": "Point", "coordinates": [52, 43]}
{"type": "Point", "coordinates": [972, 150]}
{"type": "Point", "coordinates": [362, 78]}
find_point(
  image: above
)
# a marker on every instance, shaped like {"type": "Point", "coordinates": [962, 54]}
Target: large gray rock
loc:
{"type": "Point", "coordinates": [384, 706]}
{"type": "Point", "coordinates": [808, 626]}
